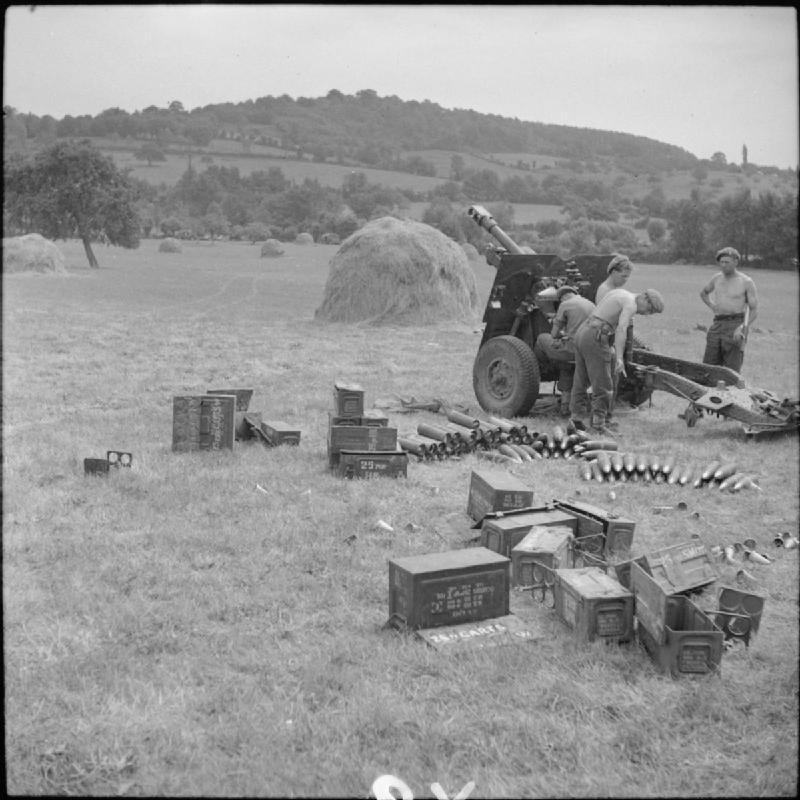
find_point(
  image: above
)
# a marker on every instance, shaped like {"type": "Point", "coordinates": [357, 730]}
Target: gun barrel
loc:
{"type": "Point", "coordinates": [483, 218]}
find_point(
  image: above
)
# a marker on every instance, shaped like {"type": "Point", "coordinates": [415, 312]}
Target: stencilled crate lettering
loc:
{"type": "Point", "coordinates": [694, 658]}
{"type": "Point", "coordinates": [186, 423]}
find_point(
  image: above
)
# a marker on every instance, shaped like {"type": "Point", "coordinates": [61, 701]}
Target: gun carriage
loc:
{"type": "Point", "coordinates": [506, 374]}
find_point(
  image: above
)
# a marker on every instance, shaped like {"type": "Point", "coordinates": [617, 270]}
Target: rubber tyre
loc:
{"type": "Point", "coordinates": [505, 377]}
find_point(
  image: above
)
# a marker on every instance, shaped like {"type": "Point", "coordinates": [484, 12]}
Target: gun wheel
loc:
{"type": "Point", "coordinates": [505, 377]}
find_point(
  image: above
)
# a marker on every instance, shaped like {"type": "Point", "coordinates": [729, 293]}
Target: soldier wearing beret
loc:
{"type": "Point", "coordinates": [558, 346]}
{"type": "Point", "coordinates": [735, 307]}
{"type": "Point", "coordinates": [600, 353]}
{"type": "Point", "coordinates": [619, 269]}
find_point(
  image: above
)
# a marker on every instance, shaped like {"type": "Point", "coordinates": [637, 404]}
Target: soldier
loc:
{"type": "Point", "coordinates": [558, 346]}
{"type": "Point", "coordinates": [619, 269]}
{"type": "Point", "coordinates": [600, 353]}
{"type": "Point", "coordinates": [734, 294]}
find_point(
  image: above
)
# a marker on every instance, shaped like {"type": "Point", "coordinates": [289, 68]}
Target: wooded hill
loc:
{"type": "Point", "coordinates": [329, 164]}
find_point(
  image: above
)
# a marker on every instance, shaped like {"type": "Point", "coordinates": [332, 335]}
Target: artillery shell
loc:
{"type": "Point", "coordinates": [558, 434]}
{"type": "Point", "coordinates": [510, 452]}
{"type": "Point", "coordinates": [629, 462]}
{"type": "Point", "coordinates": [728, 483]}
{"type": "Point", "coordinates": [520, 452]}
{"type": "Point", "coordinates": [729, 557]}
{"type": "Point", "coordinates": [659, 478]}
{"type": "Point", "coordinates": [585, 471]}
{"type": "Point", "coordinates": [600, 444]}
{"type": "Point", "coordinates": [532, 454]}
{"type": "Point", "coordinates": [604, 462]}
{"type": "Point", "coordinates": [725, 471]}
{"type": "Point", "coordinates": [646, 476]}
{"type": "Point", "coordinates": [546, 440]}
{"type": "Point", "coordinates": [641, 464]}
{"type": "Point", "coordinates": [463, 419]}
{"type": "Point", "coordinates": [756, 557]}
{"type": "Point", "coordinates": [709, 472]}
{"type": "Point", "coordinates": [635, 477]}
{"type": "Point", "coordinates": [597, 473]}
{"type": "Point", "coordinates": [616, 462]}
{"type": "Point", "coordinates": [745, 482]}
{"type": "Point", "coordinates": [654, 464]}
{"type": "Point", "coordinates": [750, 544]}
{"type": "Point", "coordinates": [687, 475]}
{"type": "Point", "coordinates": [668, 466]}
{"type": "Point", "coordinates": [673, 477]}
{"type": "Point", "coordinates": [592, 454]}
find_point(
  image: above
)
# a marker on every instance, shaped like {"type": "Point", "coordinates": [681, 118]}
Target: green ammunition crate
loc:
{"type": "Point", "coordinates": [496, 490]}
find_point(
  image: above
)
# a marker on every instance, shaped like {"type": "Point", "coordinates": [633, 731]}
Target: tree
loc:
{"type": "Point", "coordinates": [71, 189]}
{"type": "Point", "coordinates": [656, 230]}
{"type": "Point", "coordinates": [150, 152]}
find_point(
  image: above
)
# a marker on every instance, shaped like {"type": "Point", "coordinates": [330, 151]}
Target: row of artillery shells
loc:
{"type": "Point", "coordinates": [613, 466]}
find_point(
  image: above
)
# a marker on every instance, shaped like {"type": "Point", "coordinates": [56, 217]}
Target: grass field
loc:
{"type": "Point", "coordinates": [174, 630]}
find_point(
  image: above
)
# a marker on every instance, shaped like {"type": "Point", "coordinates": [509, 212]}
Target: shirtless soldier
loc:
{"type": "Point", "coordinates": [734, 294]}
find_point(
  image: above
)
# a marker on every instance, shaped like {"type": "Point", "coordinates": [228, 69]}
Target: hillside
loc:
{"type": "Point", "coordinates": [329, 164]}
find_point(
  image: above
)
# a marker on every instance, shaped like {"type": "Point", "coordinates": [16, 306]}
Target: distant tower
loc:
{"type": "Point", "coordinates": [744, 155]}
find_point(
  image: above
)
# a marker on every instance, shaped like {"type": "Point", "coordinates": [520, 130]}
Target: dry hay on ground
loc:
{"type": "Point", "coordinates": [304, 238]}
{"type": "Point", "coordinates": [471, 252]}
{"type": "Point", "coordinates": [32, 253]}
{"type": "Point", "coordinates": [170, 245]}
{"type": "Point", "coordinates": [271, 249]}
{"type": "Point", "coordinates": [399, 271]}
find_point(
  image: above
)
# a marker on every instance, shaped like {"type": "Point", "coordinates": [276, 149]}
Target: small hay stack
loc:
{"type": "Point", "coordinates": [32, 253]}
{"type": "Point", "coordinates": [395, 271]}
{"type": "Point", "coordinates": [271, 249]}
{"type": "Point", "coordinates": [170, 245]}
{"type": "Point", "coordinates": [304, 238]}
{"type": "Point", "coordinates": [471, 252]}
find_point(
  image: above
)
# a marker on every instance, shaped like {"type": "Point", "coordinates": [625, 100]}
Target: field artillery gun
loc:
{"type": "Point", "coordinates": [506, 374]}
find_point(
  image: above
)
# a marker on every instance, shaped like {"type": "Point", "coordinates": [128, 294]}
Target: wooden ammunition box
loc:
{"type": "Point", "coordinates": [683, 567]}
{"type": "Point", "coordinates": [372, 464]}
{"type": "Point", "coordinates": [739, 613]}
{"type": "Point", "coordinates": [448, 588]}
{"type": "Point", "coordinates": [375, 419]}
{"type": "Point", "coordinates": [593, 604]}
{"type": "Point", "coordinates": [368, 419]}
{"type": "Point", "coordinates": [503, 533]}
{"type": "Point", "coordinates": [348, 399]}
{"type": "Point", "coordinates": [217, 422]}
{"type": "Point", "coordinates": [95, 466]}
{"type": "Point", "coordinates": [496, 490]}
{"type": "Point", "coordinates": [280, 433]}
{"type": "Point", "coordinates": [359, 438]}
{"type": "Point", "coordinates": [541, 547]}
{"type": "Point", "coordinates": [245, 422]}
{"type": "Point", "coordinates": [691, 643]}
{"type": "Point", "coordinates": [600, 533]}
{"type": "Point", "coordinates": [243, 396]}
{"type": "Point", "coordinates": [623, 571]}
{"type": "Point", "coordinates": [203, 422]}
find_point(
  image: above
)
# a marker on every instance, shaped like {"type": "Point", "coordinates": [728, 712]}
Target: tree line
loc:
{"type": "Point", "coordinates": [71, 190]}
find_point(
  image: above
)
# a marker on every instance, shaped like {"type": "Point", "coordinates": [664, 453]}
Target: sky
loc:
{"type": "Point", "coordinates": [705, 78]}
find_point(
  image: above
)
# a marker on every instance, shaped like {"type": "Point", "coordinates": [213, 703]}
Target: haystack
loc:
{"type": "Point", "coordinates": [399, 272]}
{"type": "Point", "coordinates": [471, 252]}
{"type": "Point", "coordinates": [304, 238]}
{"type": "Point", "coordinates": [170, 245]}
{"type": "Point", "coordinates": [32, 253]}
{"type": "Point", "coordinates": [271, 249]}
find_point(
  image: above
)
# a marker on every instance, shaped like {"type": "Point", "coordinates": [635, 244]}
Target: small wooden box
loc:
{"type": "Point", "coordinates": [541, 547]}
{"type": "Point", "coordinates": [448, 588]}
{"type": "Point", "coordinates": [691, 643]}
{"type": "Point", "coordinates": [348, 399]}
{"type": "Point", "coordinates": [280, 433]}
{"type": "Point", "coordinates": [603, 535]}
{"type": "Point", "coordinates": [593, 604]}
{"type": "Point", "coordinates": [682, 567]}
{"type": "Point", "coordinates": [372, 464]}
{"type": "Point", "coordinates": [496, 490]}
{"type": "Point", "coordinates": [359, 438]}
{"type": "Point", "coordinates": [503, 533]}
{"type": "Point", "coordinates": [203, 422]}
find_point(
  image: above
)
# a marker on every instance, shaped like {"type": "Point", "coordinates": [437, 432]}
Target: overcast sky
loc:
{"type": "Point", "coordinates": [705, 78]}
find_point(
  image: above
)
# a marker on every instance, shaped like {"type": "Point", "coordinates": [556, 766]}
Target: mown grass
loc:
{"type": "Point", "coordinates": [173, 630]}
